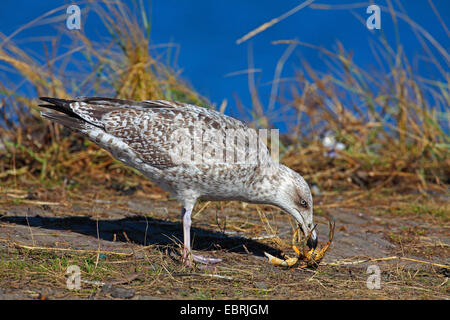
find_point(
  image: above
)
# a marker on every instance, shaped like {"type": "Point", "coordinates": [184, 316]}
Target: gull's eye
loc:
{"type": "Point", "coordinates": [303, 203]}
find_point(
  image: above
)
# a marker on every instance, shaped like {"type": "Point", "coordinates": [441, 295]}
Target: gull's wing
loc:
{"type": "Point", "coordinates": [154, 130]}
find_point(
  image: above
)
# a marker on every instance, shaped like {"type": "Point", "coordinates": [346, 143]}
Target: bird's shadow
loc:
{"type": "Point", "coordinates": [145, 231]}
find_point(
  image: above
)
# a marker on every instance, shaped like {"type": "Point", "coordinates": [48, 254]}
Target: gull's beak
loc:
{"type": "Point", "coordinates": [312, 241]}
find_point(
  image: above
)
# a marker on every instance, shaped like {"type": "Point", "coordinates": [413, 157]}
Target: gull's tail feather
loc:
{"type": "Point", "coordinates": [61, 105]}
{"type": "Point", "coordinates": [65, 115]}
{"type": "Point", "coordinates": [68, 121]}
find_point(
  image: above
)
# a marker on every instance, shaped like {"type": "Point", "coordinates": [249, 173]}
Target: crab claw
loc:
{"type": "Point", "coordinates": [297, 250]}
{"type": "Point", "coordinates": [320, 254]}
{"type": "Point", "coordinates": [313, 257]}
{"type": "Point", "coordinates": [307, 257]}
{"type": "Point", "coordinates": [280, 262]}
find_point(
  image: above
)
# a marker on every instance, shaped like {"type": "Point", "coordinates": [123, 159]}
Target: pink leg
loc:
{"type": "Point", "coordinates": [186, 216]}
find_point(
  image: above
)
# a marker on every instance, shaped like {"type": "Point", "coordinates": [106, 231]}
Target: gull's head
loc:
{"type": "Point", "coordinates": [294, 197]}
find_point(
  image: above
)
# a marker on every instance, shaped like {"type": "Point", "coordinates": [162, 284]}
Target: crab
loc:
{"type": "Point", "coordinates": [306, 257]}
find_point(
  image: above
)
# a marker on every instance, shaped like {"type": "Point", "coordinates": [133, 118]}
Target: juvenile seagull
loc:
{"type": "Point", "coordinates": [155, 138]}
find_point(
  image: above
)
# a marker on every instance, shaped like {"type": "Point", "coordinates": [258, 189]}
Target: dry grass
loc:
{"type": "Point", "coordinates": [36, 252]}
{"type": "Point", "coordinates": [393, 123]}
{"type": "Point", "coordinates": [392, 133]}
